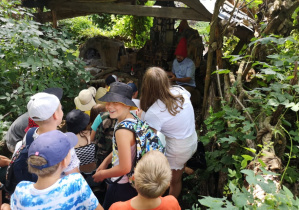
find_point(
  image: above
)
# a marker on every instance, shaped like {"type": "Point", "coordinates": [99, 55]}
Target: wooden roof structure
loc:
{"type": "Point", "coordinates": [72, 8]}
{"type": "Point", "coordinates": [199, 10]}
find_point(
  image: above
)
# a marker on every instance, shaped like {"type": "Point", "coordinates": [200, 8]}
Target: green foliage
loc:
{"type": "Point", "coordinates": [103, 21]}
{"type": "Point", "coordinates": [242, 198]}
{"type": "Point", "coordinates": [132, 28]}
{"type": "Point", "coordinates": [134, 31]}
{"type": "Point", "coordinates": [229, 44]}
{"type": "Point", "coordinates": [229, 128]}
{"type": "Point", "coordinates": [81, 28]}
{"type": "Point", "coordinates": [34, 57]}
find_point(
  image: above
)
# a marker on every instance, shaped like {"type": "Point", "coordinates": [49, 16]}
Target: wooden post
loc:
{"type": "Point", "coordinates": [213, 26]}
{"type": "Point", "coordinates": [54, 18]}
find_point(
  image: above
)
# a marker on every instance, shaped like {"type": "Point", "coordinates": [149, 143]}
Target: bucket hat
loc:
{"type": "Point", "coordinates": [76, 121]}
{"type": "Point", "coordinates": [120, 92]}
{"type": "Point", "coordinates": [84, 101]}
{"type": "Point", "coordinates": [92, 90]}
{"type": "Point", "coordinates": [53, 146]}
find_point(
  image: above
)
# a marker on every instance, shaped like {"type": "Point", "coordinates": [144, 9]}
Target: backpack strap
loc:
{"type": "Point", "coordinates": [29, 136]}
{"type": "Point", "coordinates": [120, 126]}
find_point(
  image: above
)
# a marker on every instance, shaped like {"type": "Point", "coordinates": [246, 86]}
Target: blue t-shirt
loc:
{"type": "Point", "coordinates": [186, 68]}
{"type": "Point", "coordinates": [69, 192]}
{"type": "Point", "coordinates": [96, 122]}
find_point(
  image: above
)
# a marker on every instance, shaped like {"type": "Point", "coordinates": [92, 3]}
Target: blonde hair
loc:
{"type": "Point", "coordinates": [156, 85]}
{"type": "Point", "coordinates": [152, 174]}
{"type": "Point", "coordinates": [39, 161]}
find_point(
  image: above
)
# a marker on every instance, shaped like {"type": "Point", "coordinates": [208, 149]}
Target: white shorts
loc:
{"type": "Point", "coordinates": [179, 151]}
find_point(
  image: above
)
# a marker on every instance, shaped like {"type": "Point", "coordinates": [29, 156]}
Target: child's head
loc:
{"type": "Point", "coordinates": [95, 111]}
{"type": "Point", "coordinates": [76, 121]}
{"type": "Point", "coordinates": [119, 93]}
{"type": "Point", "coordinates": [48, 150]}
{"type": "Point", "coordinates": [43, 106]}
{"type": "Point", "coordinates": [134, 88]}
{"type": "Point", "coordinates": [155, 85]}
{"type": "Point", "coordinates": [110, 79]}
{"type": "Point", "coordinates": [152, 174]}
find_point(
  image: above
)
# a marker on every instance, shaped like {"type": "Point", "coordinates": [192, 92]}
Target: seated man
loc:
{"type": "Point", "coordinates": [183, 71]}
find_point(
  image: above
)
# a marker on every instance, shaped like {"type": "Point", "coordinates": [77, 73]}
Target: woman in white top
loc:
{"type": "Point", "coordinates": [169, 110]}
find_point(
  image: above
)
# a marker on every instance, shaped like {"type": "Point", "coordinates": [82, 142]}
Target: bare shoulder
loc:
{"type": "Point", "coordinates": [122, 135]}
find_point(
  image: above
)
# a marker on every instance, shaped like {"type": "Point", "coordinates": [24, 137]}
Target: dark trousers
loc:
{"type": "Point", "coordinates": [195, 95]}
{"type": "Point", "coordinates": [118, 192]}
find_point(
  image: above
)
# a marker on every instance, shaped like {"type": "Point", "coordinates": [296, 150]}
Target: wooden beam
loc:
{"type": "Point", "coordinates": [137, 10]}
{"type": "Point", "coordinates": [60, 15]}
{"type": "Point", "coordinates": [198, 7]}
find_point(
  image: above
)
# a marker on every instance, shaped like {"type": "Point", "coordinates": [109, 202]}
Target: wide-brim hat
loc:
{"type": "Point", "coordinates": [93, 91]}
{"type": "Point", "coordinates": [120, 92]}
{"type": "Point", "coordinates": [84, 101]}
{"type": "Point", "coordinates": [76, 121]}
{"type": "Point", "coordinates": [100, 93]}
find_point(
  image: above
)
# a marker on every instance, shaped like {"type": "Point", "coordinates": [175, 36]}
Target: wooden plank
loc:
{"type": "Point", "coordinates": [137, 10]}
{"type": "Point", "coordinates": [60, 15]}
{"type": "Point", "coordinates": [198, 7]}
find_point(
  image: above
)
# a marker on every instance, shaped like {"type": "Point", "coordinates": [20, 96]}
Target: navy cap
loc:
{"type": "Point", "coordinates": [53, 146]}
{"type": "Point", "coordinates": [133, 86]}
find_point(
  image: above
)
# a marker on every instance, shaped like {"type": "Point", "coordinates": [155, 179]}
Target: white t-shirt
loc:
{"type": "Point", "coordinates": [75, 162]}
{"type": "Point", "coordinates": [137, 102]}
{"type": "Point", "coordinates": [69, 192]}
{"type": "Point", "coordinates": [180, 126]}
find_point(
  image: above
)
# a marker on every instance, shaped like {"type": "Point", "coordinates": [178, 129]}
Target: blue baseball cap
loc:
{"type": "Point", "coordinates": [133, 86]}
{"type": "Point", "coordinates": [53, 146]}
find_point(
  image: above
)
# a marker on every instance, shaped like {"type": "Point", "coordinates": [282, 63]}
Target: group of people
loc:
{"type": "Point", "coordinates": [58, 158]}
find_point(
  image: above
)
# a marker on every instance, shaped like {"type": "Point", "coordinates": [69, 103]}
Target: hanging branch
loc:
{"type": "Point", "coordinates": [219, 85]}
{"type": "Point", "coordinates": [230, 18]}
{"type": "Point", "coordinates": [213, 25]}
{"type": "Point", "coordinates": [247, 113]}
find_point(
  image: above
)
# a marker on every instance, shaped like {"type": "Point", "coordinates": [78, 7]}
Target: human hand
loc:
{"type": "Point", "coordinates": [172, 78]}
{"type": "Point", "coordinates": [98, 176]}
{"type": "Point", "coordinates": [4, 161]}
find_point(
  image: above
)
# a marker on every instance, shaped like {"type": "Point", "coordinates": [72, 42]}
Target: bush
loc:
{"type": "Point", "coordinates": [81, 28]}
{"type": "Point", "coordinates": [33, 58]}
